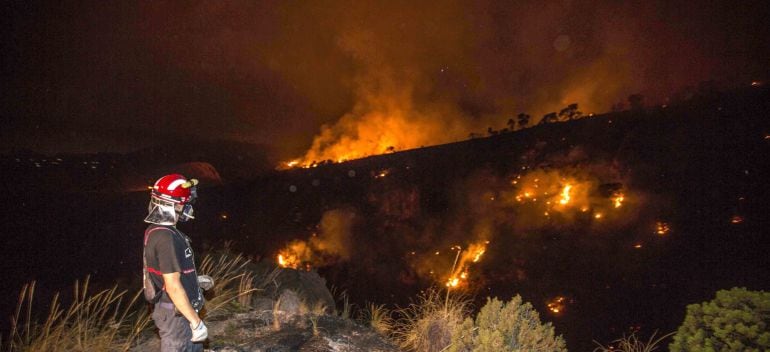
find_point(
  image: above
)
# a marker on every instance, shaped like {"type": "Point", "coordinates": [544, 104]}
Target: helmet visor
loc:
{"type": "Point", "coordinates": [161, 212]}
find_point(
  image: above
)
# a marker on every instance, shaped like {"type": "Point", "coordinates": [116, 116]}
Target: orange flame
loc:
{"type": "Point", "coordinates": [565, 195]}
{"type": "Point", "coordinates": [294, 255]}
{"type": "Point", "coordinates": [557, 305]}
{"type": "Point", "coordinates": [618, 199]}
{"type": "Point", "coordinates": [661, 228]}
{"type": "Point", "coordinates": [461, 270]}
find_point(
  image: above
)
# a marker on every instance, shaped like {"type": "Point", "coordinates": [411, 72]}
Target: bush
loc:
{"type": "Point", "coordinates": [513, 326]}
{"type": "Point", "coordinates": [427, 326]}
{"type": "Point", "coordinates": [736, 320]}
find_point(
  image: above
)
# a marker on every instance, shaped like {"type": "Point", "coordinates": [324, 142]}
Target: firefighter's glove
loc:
{"type": "Point", "coordinates": [205, 282]}
{"type": "Point", "coordinates": [200, 332]}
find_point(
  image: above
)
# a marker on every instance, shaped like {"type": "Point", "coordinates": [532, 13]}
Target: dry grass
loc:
{"type": "Point", "coordinates": [427, 325]}
{"type": "Point", "coordinates": [632, 344]}
{"type": "Point", "coordinates": [276, 314]}
{"type": "Point", "coordinates": [101, 321]}
{"type": "Point", "coordinates": [341, 297]}
{"type": "Point", "coordinates": [378, 318]}
{"type": "Point", "coordinates": [232, 282]}
{"type": "Point", "coordinates": [108, 321]}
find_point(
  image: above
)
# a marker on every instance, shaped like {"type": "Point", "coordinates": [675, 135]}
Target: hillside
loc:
{"type": "Point", "coordinates": [607, 224]}
{"type": "Point", "coordinates": [690, 179]}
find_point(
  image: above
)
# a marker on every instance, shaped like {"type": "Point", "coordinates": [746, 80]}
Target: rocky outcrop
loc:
{"type": "Point", "coordinates": [295, 312]}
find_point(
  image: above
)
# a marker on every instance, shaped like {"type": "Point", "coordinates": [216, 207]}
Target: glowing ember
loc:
{"type": "Point", "coordinates": [661, 228]}
{"type": "Point", "coordinates": [557, 305]}
{"type": "Point", "coordinates": [382, 173]}
{"type": "Point", "coordinates": [638, 246]}
{"type": "Point", "coordinates": [598, 216]}
{"type": "Point", "coordinates": [736, 219]}
{"type": "Point", "coordinates": [756, 83]}
{"type": "Point", "coordinates": [618, 199]}
{"type": "Point", "coordinates": [565, 195]}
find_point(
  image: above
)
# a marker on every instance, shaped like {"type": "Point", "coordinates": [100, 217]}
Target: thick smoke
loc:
{"type": "Point", "coordinates": [332, 242]}
{"type": "Point", "coordinates": [395, 75]}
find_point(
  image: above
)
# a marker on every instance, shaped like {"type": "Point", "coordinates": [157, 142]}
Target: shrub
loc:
{"type": "Point", "coordinates": [512, 326]}
{"type": "Point", "coordinates": [427, 326]}
{"type": "Point", "coordinates": [378, 318]}
{"type": "Point", "coordinates": [736, 320]}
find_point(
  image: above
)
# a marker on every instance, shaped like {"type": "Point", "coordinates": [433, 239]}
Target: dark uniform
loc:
{"type": "Point", "coordinates": [167, 250]}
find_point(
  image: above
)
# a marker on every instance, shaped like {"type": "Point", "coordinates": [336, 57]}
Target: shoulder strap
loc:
{"type": "Point", "coordinates": [149, 231]}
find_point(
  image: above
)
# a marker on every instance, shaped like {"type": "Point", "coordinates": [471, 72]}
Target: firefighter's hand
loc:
{"type": "Point", "coordinates": [199, 332]}
{"type": "Point", "coordinates": [205, 282]}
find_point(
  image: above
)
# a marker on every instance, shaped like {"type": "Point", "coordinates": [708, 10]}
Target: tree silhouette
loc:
{"type": "Point", "coordinates": [511, 124]}
{"type": "Point", "coordinates": [523, 120]}
{"type": "Point", "coordinates": [549, 118]}
{"type": "Point", "coordinates": [571, 112]}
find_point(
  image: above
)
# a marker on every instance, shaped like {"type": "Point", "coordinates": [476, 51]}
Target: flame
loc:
{"type": "Point", "coordinates": [736, 219]}
{"type": "Point", "coordinates": [557, 304]}
{"type": "Point", "coordinates": [294, 255]}
{"type": "Point", "coordinates": [618, 199]}
{"type": "Point", "coordinates": [461, 269]}
{"type": "Point", "coordinates": [565, 195]}
{"type": "Point", "coordinates": [382, 173]}
{"type": "Point", "coordinates": [661, 228]}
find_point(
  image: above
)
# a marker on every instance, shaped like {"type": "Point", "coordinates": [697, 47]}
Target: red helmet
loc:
{"type": "Point", "coordinates": [175, 188]}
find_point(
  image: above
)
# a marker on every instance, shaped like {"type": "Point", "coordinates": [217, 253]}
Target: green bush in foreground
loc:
{"type": "Point", "coordinates": [736, 320]}
{"type": "Point", "coordinates": [514, 326]}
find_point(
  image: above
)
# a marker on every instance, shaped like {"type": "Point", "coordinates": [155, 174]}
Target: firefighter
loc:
{"type": "Point", "coordinates": [171, 280]}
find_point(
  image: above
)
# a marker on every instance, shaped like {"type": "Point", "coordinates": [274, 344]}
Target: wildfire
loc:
{"type": "Point", "coordinates": [461, 268]}
{"type": "Point", "coordinates": [618, 199]}
{"type": "Point", "coordinates": [557, 305]}
{"type": "Point", "coordinates": [382, 173]}
{"type": "Point", "coordinates": [565, 195]}
{"type": "Point", "coordinates": [661, 228]}
{"type": "Point", "coordinates": [294, 255]}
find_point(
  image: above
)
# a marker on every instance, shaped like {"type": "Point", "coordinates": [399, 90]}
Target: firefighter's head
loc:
{"type": "Point", "coordinates": [171, 200]}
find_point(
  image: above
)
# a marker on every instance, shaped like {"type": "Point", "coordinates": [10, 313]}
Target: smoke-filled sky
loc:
{"type": "Point", "coordinates": [117, 76]}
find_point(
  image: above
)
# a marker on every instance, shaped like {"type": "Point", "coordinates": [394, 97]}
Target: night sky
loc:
{"type": "Point", "coordinates": [91, 76]}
